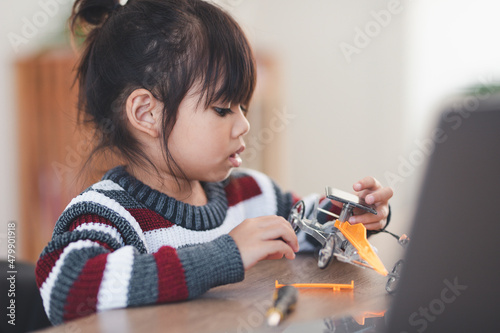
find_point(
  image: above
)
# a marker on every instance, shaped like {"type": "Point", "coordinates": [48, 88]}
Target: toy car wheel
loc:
{"type": "Point", "coordinates": [296, 215]}
{"type": "Point", "coordinates": [326, 253]}
{"type": "Point", "coordinates": [392, 283]}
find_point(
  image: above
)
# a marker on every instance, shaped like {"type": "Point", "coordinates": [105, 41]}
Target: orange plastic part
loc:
{"type": "Point", "coordinates": [356, 235]}
{"type": "Point", "coordinates": [360, 319]}
{"type": "Point", "coordinates": [333, 286]}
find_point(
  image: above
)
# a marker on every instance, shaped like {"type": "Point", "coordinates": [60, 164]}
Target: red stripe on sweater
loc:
{"type": "Point", "coordinates": [105, 245]}
{"type": "Point", "coordinates": [93, 219]}
{"type": "Point", "coordinates": [334, 209]}
{"type": "Point", "coordinates": [45, 264]}
{"type": "Point", "coordinates": [171, 280]}
{"type": "Point", "coordinates": [148, 219]}
{"type": "Point", "coordinates": [89, 218]}
{"type": "Point", "coordinates": [295, 198]}
{"type": "Point", "coordinates": [241, 189]}
{"type": "Point", "coordinates": [82, 296]}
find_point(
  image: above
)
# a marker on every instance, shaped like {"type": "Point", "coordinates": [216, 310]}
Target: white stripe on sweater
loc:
{"type": "Point", "coordinates": [99, 198]}
{"type": "Point", "coordinates": [113, 291]}
{"type": "Point", "coordinates": [107, 229]}
{"type": "Point", "coordinates": [48, 284]}
{"type": "Point", "coordinates": [258, 205]}
{"type": "Point", "coordinates": [107, 185]}
{"type": "Point", "coordinates": [309, 202]}
{"type": "Point", "coordinates": [177, 236]}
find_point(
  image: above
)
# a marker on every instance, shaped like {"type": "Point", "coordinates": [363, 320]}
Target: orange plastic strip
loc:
{"type": "Point", "coordinates": [356, 235]}
{"type": "Point", "coordinates": [333, 286]}
{"type": "Point", "coordinates": [360, 319]}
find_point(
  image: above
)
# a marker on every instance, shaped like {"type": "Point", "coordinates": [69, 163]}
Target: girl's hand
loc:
{"type": "Point", "coordinates": [373, 193]}
{"type": "Point", "coordinates": [265, 237]}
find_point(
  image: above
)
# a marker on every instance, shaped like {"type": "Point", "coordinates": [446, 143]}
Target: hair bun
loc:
{"type": "Point", "coordinates": [92, 12]}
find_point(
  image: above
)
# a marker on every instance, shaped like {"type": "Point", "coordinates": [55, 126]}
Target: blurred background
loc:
{"type": "Point", "coordinates": [346, 89]}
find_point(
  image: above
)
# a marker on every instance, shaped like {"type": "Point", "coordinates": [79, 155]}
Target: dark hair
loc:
{"type": "Point", "coordinates": [164, 46]}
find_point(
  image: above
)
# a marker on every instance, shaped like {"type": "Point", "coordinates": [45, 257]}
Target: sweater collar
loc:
{"type": "Point", "coordinates": [188, 216]}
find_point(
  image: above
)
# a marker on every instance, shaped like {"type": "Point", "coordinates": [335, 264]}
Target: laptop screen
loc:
{"type": "Point", "coordinates": [451, 278]}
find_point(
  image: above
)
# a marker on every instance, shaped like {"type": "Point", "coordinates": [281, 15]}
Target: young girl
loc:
{"type": "Point", "coordinates": [167, 84]}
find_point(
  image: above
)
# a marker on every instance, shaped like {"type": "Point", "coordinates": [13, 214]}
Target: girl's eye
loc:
{"type": "Point", "coordinates": [244, 110]}
{"type": "Point", "coordinates": [223, 111]}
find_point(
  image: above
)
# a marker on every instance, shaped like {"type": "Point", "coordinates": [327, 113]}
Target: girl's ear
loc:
{"type": "Point", "coordinates": [144, 111]}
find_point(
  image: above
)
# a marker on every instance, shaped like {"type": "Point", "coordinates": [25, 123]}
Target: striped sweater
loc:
{"type": "Point", "coordinates": [121, 243]}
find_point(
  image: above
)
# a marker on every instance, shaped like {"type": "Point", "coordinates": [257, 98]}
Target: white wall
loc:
{"type": "Point", "coordinates": [454, 44]}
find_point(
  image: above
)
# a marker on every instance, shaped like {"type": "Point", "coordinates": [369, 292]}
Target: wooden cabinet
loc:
{"type": "Point", "coordinates": [52, 147]}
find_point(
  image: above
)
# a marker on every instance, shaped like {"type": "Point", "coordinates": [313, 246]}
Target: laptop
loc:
{"type": "Point", "coordinates": [450, 281]}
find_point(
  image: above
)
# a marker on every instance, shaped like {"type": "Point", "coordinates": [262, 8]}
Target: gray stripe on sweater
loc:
{"type": "Point", "coordinates": [283, 202]}
{"type": "Point", "coordinates": [122, 197]}
{"type": "Point", "coordinates": [177, 212]}
{"type": "Point", "coordinates": [143, 287]}
{"type": "Point", "coordinates": [130, 237]}
{"type": "Point", "coordinates": [61, 241]}
{"type": "Point", "coordinates": [189, 218]}
{"type": "Point", "coordinates": [143, 193]}
{"type": "Point", "coordinates": [197, 219]}
{"type": "Point", "coordinates": [211, 264]}
{"type": "Point", "coordinates": [162, 200]}
{"type": "Point", "coordinates": [152, 198]}
{"type": "Point", "coordinates": [204, 216]}
{"type": "Point", "coordinates": [180, 213]}
{"type": "Point", "coordinates": [170, 208]}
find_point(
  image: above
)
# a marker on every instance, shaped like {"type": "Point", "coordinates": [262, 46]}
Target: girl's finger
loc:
{"type": "Point", "coordinates": [266, 221]}
{"type": "Point", "coordinates": [277, 249]}
{"type": "Point", "coordinates": [274, 256]}
{"type": "Point", "coordinates": [364, 218]}
{"type": "Point", "coordinates": [363, 193]}
{"type": "Point", "coordinates": [367, 183]}
{"type": "Point", "coordinates": [379, 196]}
{"type": "Point", "coordinates": [286, 234]}
{"type": "Point", "coordinates": [375, 226]}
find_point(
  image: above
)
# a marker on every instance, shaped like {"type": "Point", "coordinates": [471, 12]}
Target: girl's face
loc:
{"type": "Point", "coordinates": [206, 143]}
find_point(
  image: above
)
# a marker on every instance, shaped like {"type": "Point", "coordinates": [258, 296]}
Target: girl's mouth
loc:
{"type": "Point", "coordinates": [235, 158]}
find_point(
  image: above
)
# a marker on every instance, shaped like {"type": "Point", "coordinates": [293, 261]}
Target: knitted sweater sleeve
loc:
{"type": "Point", "coordinates": [93, 265]}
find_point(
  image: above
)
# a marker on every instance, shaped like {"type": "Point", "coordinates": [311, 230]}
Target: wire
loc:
{"type": "Point", "coordinates": [390, 233]}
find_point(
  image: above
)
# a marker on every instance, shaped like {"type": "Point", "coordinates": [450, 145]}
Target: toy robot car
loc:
{"type": "Point", "coordinates": [339, 238]}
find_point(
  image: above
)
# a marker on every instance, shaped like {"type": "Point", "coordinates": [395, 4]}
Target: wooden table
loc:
{"type": "Point", "coordinates": [241, 307]}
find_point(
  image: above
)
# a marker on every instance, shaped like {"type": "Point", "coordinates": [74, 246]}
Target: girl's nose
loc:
{"type": "Point", "coordinates": [241, 125]}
